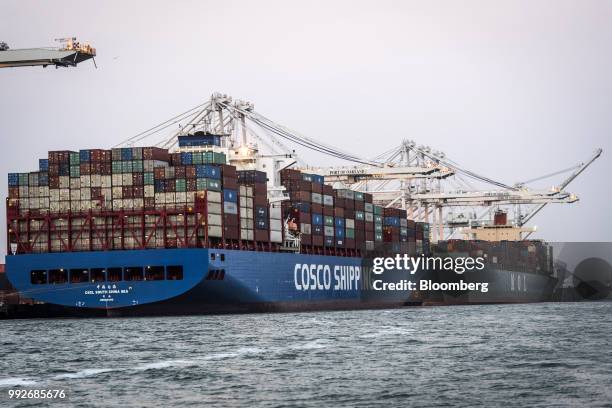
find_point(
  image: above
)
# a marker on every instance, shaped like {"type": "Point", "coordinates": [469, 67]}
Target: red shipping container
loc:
{"type": "Point", "coordinates": [328, 190]}
{"type": "Point", "coordinates": [179, 172]}
{"type": "Point", "coordinates": [359, 206]}
{"type": "Point", "coordinates": [369, 235]}
{"type": "Point", "coordinates": [230, 220]}
{"type": "Point", "coordinates": [84, 169]}
{"type": "Point", "coordinates": [228, 171]}
{"type": "Point", "coordinates": [349, 243]}
{"type": "Point", "coordinates": [367, 197]}
{"type": "Point", "coordinates": [53, 181]}
{"type": "Point", "coordinates": [317, 188]}
{"type": "Point", "coordinates": [329, 211]}
{"type": "Point", "coordinates": [53, 169]}
{"type": "Point", "coordinates": [230, 182]}
{"type": "Point", "coordinates": [317, 240]}
{"type": "Point", "coordinates": [349, 204]}
{"type": "Point", "coordinates": [261, 235]}
{"type": "Point", "coordinates": [159, 173]}
{"type": "Point", "coordinates": [190, 172]}
{"type": "Point", "coordinates": [231, 232]}
{"type": "Point", "coordinates": [260, 200]}
{"type": "Point", "coordinates": [316, 208]}
{"type": "Point", "coordinates": [137, 179]}
{"type": "Point", "coordinates": [339, 212]}
{"type": "Point", "coordinates": [348, 213]}
{"type": "Point", "coordinates": [306, 239]}
{"type": "Point", "coordinates": [339, 202]}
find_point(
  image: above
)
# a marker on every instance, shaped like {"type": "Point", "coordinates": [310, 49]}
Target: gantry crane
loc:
{"type": "Point", "coordinates": [70, 53]}
{"type": "Point", "coordinates": [416, 178]}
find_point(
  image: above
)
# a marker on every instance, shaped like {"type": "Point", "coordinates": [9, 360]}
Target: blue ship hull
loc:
{"type": "Point", "coordinates": [212, 281]}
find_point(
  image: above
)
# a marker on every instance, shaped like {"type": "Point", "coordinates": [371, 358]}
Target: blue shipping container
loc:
{"type": "Point", "coordinates": [230, 195]}
{"type": "Point", "coordinates": [392, 221]}
{"type": "Point", "coordinates": [13, 179]}
{"type": "Point", "coordinates": [186, 158]}
{"type": "Point", "coordinates": [339, 222]}
{"type": "Point", "coordinates": [43, 179]}
{"type": "Point", "coordinates": [261, 223]}
{"type": "Point", "coordinates": [43, 165]}
{"type": "Point", "coordinates": [261, 212]}
{"type": "Point", "coordinates": [84, 155]}
{"type": "Point", "coordinates": [339, 232]}
{"type": "Point", "coordinates": [317, 219]}
{"type": "Point", "coordinates": [126, 153]}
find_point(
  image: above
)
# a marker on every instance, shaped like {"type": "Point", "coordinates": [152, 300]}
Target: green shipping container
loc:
{"type": "Point", "coordinates": [116, 167]}
{"type": "Point", "coordinates": [197, 158]}
{"type": "Point", "coordinates": [378, 210]}
{"type": "Point", "coordinates": [127, 167]}
{"type": "Point", "coordinates": [24, 179]}
{"type": "Point", "coordinates": [181, 185]}
{"type": "Point", "coordinates": [378, 219]}
{"type": "Point", "coordinates": [378, 236]}
{"type": "Point", "coordinates": [378, 228]}
{"type": "Point", "coordinates": [329, 221]}
{"type": "Point", "coordinates": [149, 179]}
{"type": "Point", "coordinates": [350, 233]}
{"type": "Point", "coordinates": [137, 166]}
{"type": "Point", "coordinates": [75, 159]}
{"type": "Point", "coordinates": [75, 171]}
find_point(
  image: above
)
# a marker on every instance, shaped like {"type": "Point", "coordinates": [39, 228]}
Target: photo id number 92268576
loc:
{"type": "Point", "coordinates": [36, 394]}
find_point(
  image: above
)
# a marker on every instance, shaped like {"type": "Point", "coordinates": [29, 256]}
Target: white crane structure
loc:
{"type": "Point", "coordinates": [431, 187]}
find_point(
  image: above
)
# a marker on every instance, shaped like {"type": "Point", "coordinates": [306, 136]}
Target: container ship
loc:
{"type": "Point", "coordinates": [516, 270]}
{"type": "Point", "coordinates": [146, 231]}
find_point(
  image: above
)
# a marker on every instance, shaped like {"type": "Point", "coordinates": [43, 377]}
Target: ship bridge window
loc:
{"type": "Point", "coordinates": [154, 273]}
{"type": "Point", "coordinates": [212, 256]}
{"type": "Point", "coordinates": [114, 274]}
{"type": "Point", "coordinates": [132, 273]}
{"type": "Point", "coordinates": [174, 272]}
{"type": "Point", "coordinates": [222, 257]}
{"type": "Point", "coordinates": [38, 277]}
{"type": "Point", "coordinates": [58, 276]}
{"type": "Point", "coordinates": [79, 275]}
{"type": "Point", "coordinates": [98, 274]}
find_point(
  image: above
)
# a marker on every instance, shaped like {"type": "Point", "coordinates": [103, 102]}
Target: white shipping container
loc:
{"type": "Point", "coordinates": [328, 231]}
{"type": "Point", "coordinates": [138, 203]}
{"type": "Point", "coordinates": [106, 181]}
{"type": "Point", "coordinates": [403, 222]}
{"type": "Point", "coordinates": [305, 228]}
{"type": "Point", "coordinates": [170, 198]}
{"type": "Point", "coordinates": [230, 208]}
{"type": "Point", "coordinates": [96, 180]}
{"type": "Point", "coordinates": [190, 197]}
{"type": "Point", "coordinates": [75, 206]}
{"type": "Point", "coordinates": [242, 190]}
{"type": "Point", "coordinates": [117, 192]}
{"type": "Point", "coordinates": [85, 205]}
{"type": "Point", "coordinates": [276, 236]}
{"type": "Point", "coordinates": [275, 213]}
{"type": "Point", "coordinates": [215, 231]}
{"type": "Point", "coordinates": [181, 197]}
{"type": "Point", "coordinates": [316, 198]}
{"type": "Point", "coordinates": [54, 206]}
{"type": "Point", "coordinates": [24, 191]}
{"type": "Point", "coordinates": [243, 212]}
{"type": "Point", "coordinates": [246, 223]}
{"type": "Point", "coordinates": [328, 200]}
{"type": "Point", "coordinates": [127, 179]}
{"type": "Point", "coordinates": [246, 234]}
{"type": "Point", "coordinates": [350, 223]}
{"type": "Point", "coordinates": [117, 180]}
{"type": "Point", "coordinates": [160, 199]}
{"type": "Point", "coordinates": [86, 193]}
{"type": "Point", "coordinates": [369, 207]}
{"type": "Point", "coordinates": [54, 194]}
{"type": "Point", "coordinates": [369, 245]}
{"type": "Point", "coordinates": [85, 181]}
{"type": "Point", "coordinates": [107, 193]}
{"type": "Point", "coordinates": [75, 195]}
{"type": "Point", "coordinates": [213, 196]}
{"type": "Point", "coordinates": [149, 191]}
{"type": "Point", "coordinates": [214, 208]}
{"type": "Point", "coordinates": [215, 219]}
{"type": "Point", "coordinates": [369, 217]}
{"type": "Point", "coordinates": [64, 182]}
{"type": "Point", "coordinates": [276, 225]}
{"type": "Point", "coordinates": [75, 183]}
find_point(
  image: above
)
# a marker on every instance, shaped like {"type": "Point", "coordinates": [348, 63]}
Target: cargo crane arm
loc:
{"type": "Point", "coordinates": [69, 54]}
{"type": "Point", "coordinates": [581, 167]}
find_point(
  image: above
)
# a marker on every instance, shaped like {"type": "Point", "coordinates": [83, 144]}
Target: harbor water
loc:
{"type": "Point", "coordinates": [548, 354]}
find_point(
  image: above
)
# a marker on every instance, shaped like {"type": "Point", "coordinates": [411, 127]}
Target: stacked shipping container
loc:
{"type": "Point", "coordinates": [145, 197]}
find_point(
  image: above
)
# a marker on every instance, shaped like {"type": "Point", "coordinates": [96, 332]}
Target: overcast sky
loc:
{"type": "Point", "coordinates": [510, 89]}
